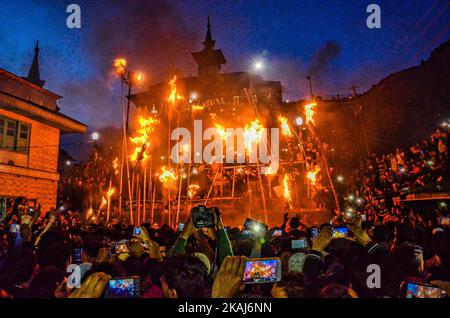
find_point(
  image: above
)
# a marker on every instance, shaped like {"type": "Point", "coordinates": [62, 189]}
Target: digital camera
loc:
{"type": "Point", "coordinates": [203, 216]}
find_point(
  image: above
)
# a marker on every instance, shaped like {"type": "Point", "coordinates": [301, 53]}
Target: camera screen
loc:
{"type": "Point", "coordinates": [423, 291]}
{"type": "Point", "coordinates": [180, 226]}
{"type": "Point", "coordinates": [77, 255]}
{"type": "Point", "coordinates": [299, 244]}
{"type": "Point", "coordinates": [340, 232]}
{"type": "Point", "coordinates": [253, 226]}
{"type": "Point", "coordinates": [262, 271]}
{"type": "Point", "coordinates": [314, 231]}
{"type": "Point", "coordinates": [137, 230]}
{"type": "Point", "coordinates": [123, 288]}
{"type": "Point", "coordinates": [15, 228]}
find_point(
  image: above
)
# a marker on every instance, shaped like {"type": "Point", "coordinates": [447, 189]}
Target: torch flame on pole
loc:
{"type": "Point", "coordinates": [197, 107]}
{"type": "Point", "coordinates": [143, 140]}
{"type": "Point", "coordinates": [192, 190]}
{"type": "Point", "coordinates": [311, 175]}
{"type": "Point", "coordinates": [286, 192]}
{"type": "Point", "coordinates": [309, 112]}
{"type": "Point", "coordinates": [115, 165]}
{"type": "Point", "coordinates": [285, 130]}
{"type": "Point", "coordinates": [253, 133]}
{"type": "Point", "coordinates": [119, 65]}
{"type": "Point", "coordinates": [174, 96]}
{"type": "Point", "coordinates": [167, 177]}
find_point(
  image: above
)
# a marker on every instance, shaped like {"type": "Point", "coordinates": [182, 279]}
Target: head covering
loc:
{"type": "Point", "coordinates": [296, 262]}
{"type": "Point", "coordinates": [205, 261]}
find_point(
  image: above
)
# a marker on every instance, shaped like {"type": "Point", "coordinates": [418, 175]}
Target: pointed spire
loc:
{"type": "Point", "coordinates": [34, 73]}
{"type": "Point", "coordinates": [209, 42]}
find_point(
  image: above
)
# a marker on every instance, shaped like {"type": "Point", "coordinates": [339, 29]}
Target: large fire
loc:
{"type": "Point", "coordinates": [312, 175]}
{"type": "Point", "coordinates": [143, 140]}
{"type": "Point", "coordinates": [174, 96]}
{"type": "Point", "coordinates": [253, 133]}
{"type": "Point", "coordinates": [221, 131]}
{"type": "Point", "coordinates": [286, 192]}
{"type": "Point", "coordinates": [119, 65]}
{"type": "Point", "coordinates": [309, 112]}
{"type": "Point", "coordinates": [285, 130]}
{"type": "Point", "coordinates": [192, 190]}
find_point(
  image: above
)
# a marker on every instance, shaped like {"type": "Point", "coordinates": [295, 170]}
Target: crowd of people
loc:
{"type": "Point", "coordinates": [410, 247]}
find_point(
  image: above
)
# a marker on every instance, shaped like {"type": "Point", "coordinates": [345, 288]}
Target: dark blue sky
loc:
{"type": "Point", "coordinates": [155, 36]}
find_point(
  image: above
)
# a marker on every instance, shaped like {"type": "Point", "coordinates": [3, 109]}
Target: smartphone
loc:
{"type": "Point", "coordinates": [445, 220]}
{"type": "Point", "coordinates": [363, 217]}
{"type": "Point", "coordinates": [137, 231]}
{"type": "Point", "coordinates": [77, 252]}
{"type": "Point", "coordinates": [314, 232]}
{"type": "Point", "coordinates": [254, 226]}
{"type": "Point", "coordinates": [180, 227]}
{"type": "Point", "coordinates": [15, 228]}
{"type": "Point", "coordinates": [420, 290]}
{"type": "Point", "coordinates": [262, 270]}
{"type": "Point", "coordinates": [121, 248]}
{"type": "Point", "coordinates": [277, 233]}
{"type": "Point", "coordinates": [340, 232]}
{"type": "Point", "coordinates": [123, 287]}
{"type": "Point", "coordinates": [299, 244]}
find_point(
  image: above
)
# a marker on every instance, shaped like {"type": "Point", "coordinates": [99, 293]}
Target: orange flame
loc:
{"type": "Point", "coordinates": [192, 190]}
{"type": "Point", "coordinates": [286, 192]}
{"type": "Point", "coordinates": [143, 140]}
{"type": "Point", "coordinates": [311, 175]}
{"type": "Point", "coordinates": [309, 112]}
{"type": "Point", "coordinates": [285, 130]}
{"type": "Point", "coordinates": [167, 177]}
{"type": "Point", "coordinates": [174, 96]}
{"type": "Point", "coordinates": [253, 133]}
{"type": "Point", "coordinates": [221, 131]}
{"type": "Point", "coordinates": [115, 165]}
{"type": "Point", "coordinates": [119, 65]}
{"type": "Point", "coordinates": [197, 108]}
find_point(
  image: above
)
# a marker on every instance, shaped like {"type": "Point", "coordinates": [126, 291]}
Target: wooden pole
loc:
{"type": "Point", "coordinates": [179, 200]}
{"type": "Point", "coordinates": [144, 193]}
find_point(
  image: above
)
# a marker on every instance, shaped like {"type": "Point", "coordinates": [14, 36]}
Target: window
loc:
{"type": "Point", "coordinates": [14, 135]}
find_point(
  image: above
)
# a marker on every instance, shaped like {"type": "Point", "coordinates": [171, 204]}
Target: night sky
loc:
{"type": "Point", "coordinates": [328, 39]}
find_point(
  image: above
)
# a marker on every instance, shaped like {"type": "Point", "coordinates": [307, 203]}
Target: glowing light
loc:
{"type": "Point", "coordinates": [192, 190]}
{"type": "Point", "coordinates": [68, 163]}
{"type": "Point", "coordinates": [285, 130]}
{"type": "Point", "coordinates": [119, 65]}
{"type": "Point", "coordinates": [95, 136]}
{"type": "Point", "coordinates": [340, 178]}
{"type": "Point", "coordinates": [193, 96]}
{"type": "Point", "coordinates": [351, 197]}
{"type": "Point", "coordinates": [142, 141]}
{"type": "Point", "coordinates": [258, 65]}
{"type": "Point", "coordinates": [309, 112]}
{"type": "Point", "coordinates": [312, 175]}
{"type": "Point", "coordinates": [221, 131]}
{"type": "Point", "coordinates": [253, 133]}
{"type": "Point", "coordinates": [299, 121]}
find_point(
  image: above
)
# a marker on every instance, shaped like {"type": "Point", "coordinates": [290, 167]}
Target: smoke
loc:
{"type": "Point", "coordinates": [322, 59]}
{"type": "Point", "coordinates": [151, 35]}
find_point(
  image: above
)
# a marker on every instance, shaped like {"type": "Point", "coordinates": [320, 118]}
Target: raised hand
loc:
{"type": "Point", "coordinates": [93, 287]}
{"type": "Point", "coordinates": [229, 278]}
{"type": "Point", "coordinates": [323, 239]}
